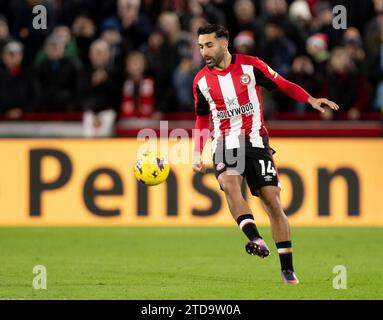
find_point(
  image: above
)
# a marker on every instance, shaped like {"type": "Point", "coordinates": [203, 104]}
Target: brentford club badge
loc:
{"type": "Point", "coordinates": [220, 166]}
{"type": "Point", "coordinates": [245, 79]}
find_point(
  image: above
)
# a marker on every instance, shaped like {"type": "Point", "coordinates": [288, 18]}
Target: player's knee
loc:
{"type": "Point", "coordinates": [274, 208]}
{"type": "Point", "coordinates": [229, 187]}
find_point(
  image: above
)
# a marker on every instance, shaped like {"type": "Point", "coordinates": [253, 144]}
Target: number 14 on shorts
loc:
{"type": "Point", "coordinates": [270, 167]}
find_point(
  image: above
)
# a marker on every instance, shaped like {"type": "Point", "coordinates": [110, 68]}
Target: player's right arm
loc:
{"type": "Point", "coordinates": [201, 130]}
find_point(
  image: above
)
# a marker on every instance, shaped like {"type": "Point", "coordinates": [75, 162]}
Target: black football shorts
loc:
{"type": "Point", "coordinates": [255, 164]}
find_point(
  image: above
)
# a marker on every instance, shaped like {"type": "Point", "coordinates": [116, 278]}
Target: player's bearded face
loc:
{"type": "Point", "coordinates": [214, 59]}
{"type": "Point", "coordinates": [212, 50]}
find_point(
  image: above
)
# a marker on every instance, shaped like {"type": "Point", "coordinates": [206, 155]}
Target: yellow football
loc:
{"type": "Point", "coordinates": [151, 168]}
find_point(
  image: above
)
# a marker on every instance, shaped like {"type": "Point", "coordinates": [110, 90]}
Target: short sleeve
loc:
{"type": "Point", "coordinates": [265, 76]}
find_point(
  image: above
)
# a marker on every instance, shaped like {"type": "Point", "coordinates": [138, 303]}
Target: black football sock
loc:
{"type": "Point", "coordinates": [285, 252]}
{"type": "Point", "coordinates": [247, 225]}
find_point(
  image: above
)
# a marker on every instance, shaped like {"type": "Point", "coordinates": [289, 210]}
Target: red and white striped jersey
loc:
{"type": "Point", "coordinates": [232, 98]}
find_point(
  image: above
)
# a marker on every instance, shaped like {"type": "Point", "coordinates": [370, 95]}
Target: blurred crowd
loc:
{"type": "Point", "coordinates": [138, 58]}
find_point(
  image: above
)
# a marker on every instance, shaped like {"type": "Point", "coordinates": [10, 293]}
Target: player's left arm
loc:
{"type": "Point", "coordinates": [268, 78]}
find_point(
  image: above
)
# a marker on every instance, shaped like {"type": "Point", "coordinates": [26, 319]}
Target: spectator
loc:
{"type": "Point", "coordinates": [4, 33]}
{"type": "Point", "coordinates": [303, 73]}
{"type": "Point", "coordinates": [63, 34]}
{"type": "Point", "coordinates": [96, 11]}
{"type": "Point", "coordinates": [358, 12]}
{"type": "Point", "coordinates": [373, 36]}
{"type": "Point", "coordinates": [195, 23]}
{"type": "Point", "coordinates": [278, 52]}
{"type": "Point", "coordinates": [352, 42]}
{"type": "Point", "coordinates": [58, 78]}
{"type": "Point", "coordinates": [209, 9]}
{"type": "Point", "coordinates": [136, 25]}
{"type": "Point", "coordinates": [275, 49]}
{"type": "Point", "coordinates": [316, 47]}
{"type": "Point", "coordinates": [277, 10]}
{"type": "Point", "coordinates": [32, 39]}
{"type": "Point", "coordinates": [244, 15]}
{"type": "Point", "coordinates": [344, 85]}
{"type": "Point", "coordinates": [300, 14]}
{"type": "Point", "coordinates": [153, 53]}
{"type": "Point", "coordinates": [323, 23]}
{"type": "Point", "coordinates": [111, 34]}
{"type": "Point", "coordinates": [244, 43]}
{"type": "Point", "coordinates": [177, 44]}
{"type": "Point", "coordinates": [138, 97]}
{"type": "Point", "coordinates": [17, 92]}
{"type": "Point", "coordinates": [99, 95]}
{"type": "Point", "coordinates": [376, 78]}
{"type": "Point", "coordinates": [183, 82]}
{"type": "Point", "coordinates": [190, 62]}
{"type": "Point", "coordinates": [84, 32]}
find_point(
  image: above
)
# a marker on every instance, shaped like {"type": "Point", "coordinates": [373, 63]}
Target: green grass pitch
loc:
{"type": "Point", "coordinates": [185, 263]}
